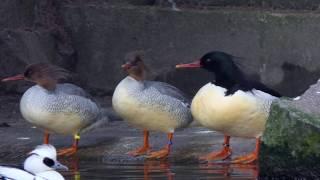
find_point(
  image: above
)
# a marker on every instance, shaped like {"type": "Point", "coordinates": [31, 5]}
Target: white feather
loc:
{"type": "Point", "coordinates": [14, 173]}
{"type": "Point", "coordinates": [241, 114]}
{"type": "Point", "coordinates": [46, 150]}
{"type": "Point", "coordinates": [34, 167]}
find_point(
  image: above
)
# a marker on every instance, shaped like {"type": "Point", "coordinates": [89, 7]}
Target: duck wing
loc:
{"type": "Point", "coordinates": [169, 90]}
{"type": "Point", "coordinates": [8, 173]}
{"type": "Point", "coordinates": [72, 89]}
{"type": "Point", "coordinates": [99, 115]}
{"type": "Point", "coordinates": [250, 85]}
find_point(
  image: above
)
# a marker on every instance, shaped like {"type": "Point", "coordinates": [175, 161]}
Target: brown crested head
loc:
{"type": "Point", "coordinates": [134, 65]}
{"type": "Point", "coordinates": [38, 71]}
{"type": "Point", "coordinates": [45, 75]}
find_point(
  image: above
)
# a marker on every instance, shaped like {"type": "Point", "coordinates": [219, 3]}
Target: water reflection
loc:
{"type": "Point", "coordinates": [73, 165]}
{"type": "Point", "coordinates": [227, 170]}
{"type": "Point", "coordinates": [152, 167]}
{"type": "Point", "coordinates": [157, 170]}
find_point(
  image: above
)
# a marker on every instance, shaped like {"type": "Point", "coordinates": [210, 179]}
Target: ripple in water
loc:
{"type": "Point", "coordinates": [94, 170]}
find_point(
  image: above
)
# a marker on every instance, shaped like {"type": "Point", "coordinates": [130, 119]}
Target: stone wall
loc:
{"type": "Point", "coordinates": [210, 4]}
{"type": "Point", "coordinates": [269, 4]}
{"type": "Point", "coordinates": [280, 48]}
{"type": "Point", "coordinates": [90, 38]}
{"type": "Point", "coordinates": [31, 31]}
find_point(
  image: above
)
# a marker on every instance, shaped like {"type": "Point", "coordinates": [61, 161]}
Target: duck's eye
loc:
{"type": "Point", "coordinates": [49, 162]}
{"type": "Point", "coordinates": [208, 60]}
{"type": "Point", "coordinates": [28, 73]}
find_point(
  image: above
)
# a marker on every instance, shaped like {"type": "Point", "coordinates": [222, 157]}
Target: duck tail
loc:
{"type": "Point", "coordinates": [102, 120]}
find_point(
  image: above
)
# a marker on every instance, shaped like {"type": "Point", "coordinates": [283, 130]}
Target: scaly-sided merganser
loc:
{"type": "Point", "coordinates": [233, 105]}
{"type": "Point", "coordinates": [59, 108]}
{"type": "Point", "coordinates": [40, 164]}
{"type": "Point", "coordinates": [150, 105]}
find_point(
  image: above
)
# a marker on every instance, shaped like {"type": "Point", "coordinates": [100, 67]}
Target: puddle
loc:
{"type": "Point", "coordinates": [95, 170]}
{"type": "Point", "coordinates": [125, 167]}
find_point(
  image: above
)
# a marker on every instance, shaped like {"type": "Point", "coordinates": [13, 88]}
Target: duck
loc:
{"type": "Point", "coordinates": [41, 163]}
{"type": "Point", "coordinates": [233, 104]}
{"type": "Point", "coordinates": [61, 108]}
{"type": "Point", "coordinates": [150, 105]}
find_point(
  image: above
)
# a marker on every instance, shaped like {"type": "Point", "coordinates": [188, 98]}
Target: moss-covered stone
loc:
{"type": "Point", "coordinates": [291, 142]}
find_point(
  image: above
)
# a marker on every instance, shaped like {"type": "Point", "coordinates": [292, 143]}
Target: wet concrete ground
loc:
{"type": "Point", "coordinates": [103, 151]}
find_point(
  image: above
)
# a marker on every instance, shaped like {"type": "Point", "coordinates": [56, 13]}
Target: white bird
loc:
{"type": "Point", "coordinates": [39, 165]}
{"type": "Point", "coordinates": [60, 108]}
{"type": "Point", "coordinates": [150, 105]}
{"type": "Point", "coordinates": [234, 104]}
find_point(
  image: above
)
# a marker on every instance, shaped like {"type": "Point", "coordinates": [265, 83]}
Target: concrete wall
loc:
{"type": "Point", "coordinates": [281, 48]}
{"type": "Point", "coordinates": [270, 4]}
{"type": "Point", "coordinates": [31, 31]}
{"type": "Point", "coordinates": [90, 38]}
{"type": "Point", "coordinates": [209, 4]}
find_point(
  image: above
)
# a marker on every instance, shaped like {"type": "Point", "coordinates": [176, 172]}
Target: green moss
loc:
{"type": "Point", "coordinates": [291, 138]}
{"type": "Point", "coordinates": [311, 145]}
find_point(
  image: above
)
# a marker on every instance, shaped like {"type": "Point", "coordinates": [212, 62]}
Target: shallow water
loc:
{"type": "Point", "coordinates": [95, 170]}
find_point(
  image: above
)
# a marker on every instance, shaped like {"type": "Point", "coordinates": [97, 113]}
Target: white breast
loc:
{"type": "Point", "coordinates": [50, 175]}
{"type": "Point", "coordinates": [141, 114]}
{"type": "Point", "coordinates": [242, 114]}
{"type": "Point", "coordinates": [14, 173]}
{"type": "Point", "coordinates": [57, 112]}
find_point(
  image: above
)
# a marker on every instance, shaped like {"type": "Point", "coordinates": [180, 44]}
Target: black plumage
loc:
{"type": "Point", "coordinates": [229, 75]}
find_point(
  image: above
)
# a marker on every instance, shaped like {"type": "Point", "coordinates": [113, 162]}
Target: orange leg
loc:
{"type": "Point", "coordinates": [249, 158]}
{"type": "Point", "coordinates": [163, 153]}
{"type": "Point", "coordinates": [71, 150]}
{"type": "Point", "coordinates": [75, 168]}
{"type": "Point", "coordinates": [145, 148]}
{"type": "Point", "coordinates": [220, 155]}
{"type": "Point", "coordinates": [46, 137]}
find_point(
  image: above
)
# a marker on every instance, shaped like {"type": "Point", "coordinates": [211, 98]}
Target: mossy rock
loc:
{"type": "Point", "coordinates": [291, 141]}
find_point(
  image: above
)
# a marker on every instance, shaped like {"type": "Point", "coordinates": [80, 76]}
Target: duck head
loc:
{"type": "Point", "coordinates": [45, 75]}
{"type": "Point", "coordinates": [135, 66]}
{"type": "Point", "coordinates": [43, 158]}
{"type": "Point", "coordinates": [227, 73]}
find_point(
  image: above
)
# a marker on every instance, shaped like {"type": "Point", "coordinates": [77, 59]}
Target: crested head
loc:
{"type": "Point", "coordinates": [134, 65]}
{"type": "Point", "coordinates": [218, 62]}
{"type": "Point", "coordinates": [227, 73]}
{"type": "Point", "coordinates": [45, 150]}
{"type": "Point", "coordinates": [43, 158]}
{"type": "Point", "coordinates": [45, 75]}
{"type": "Point", "coordinates": [38, 71]}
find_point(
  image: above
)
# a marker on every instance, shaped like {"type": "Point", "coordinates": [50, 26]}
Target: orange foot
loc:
{"type": "Point", "coordinates": [216, 156]}
{"type": "Point", "coordinates": [246, 159]}
{"type": "Point", "coordinates": [140, 151]}
{"type": "Point", "coordinates": [162, 154]}
{"type": "Point", "coordinates": [67, 151]}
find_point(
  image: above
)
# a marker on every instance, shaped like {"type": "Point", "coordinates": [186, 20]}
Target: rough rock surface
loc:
{"type": "Point", "coordinates": [291, 140]}
{"type": "Point", "coordinates": [275, 47]}
{"type": "Point", "coordinates": [90, 38]}
{"type": "Point", "coordinates": [273, 4]}
{"type": "Point", "coordinates": [31, 31]}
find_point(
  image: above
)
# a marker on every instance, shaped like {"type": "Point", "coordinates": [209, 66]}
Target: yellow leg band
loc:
{"type": "Point", "coordinates": [77, 176]}
{"type": "Point", "coordinates": [76, 136]}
